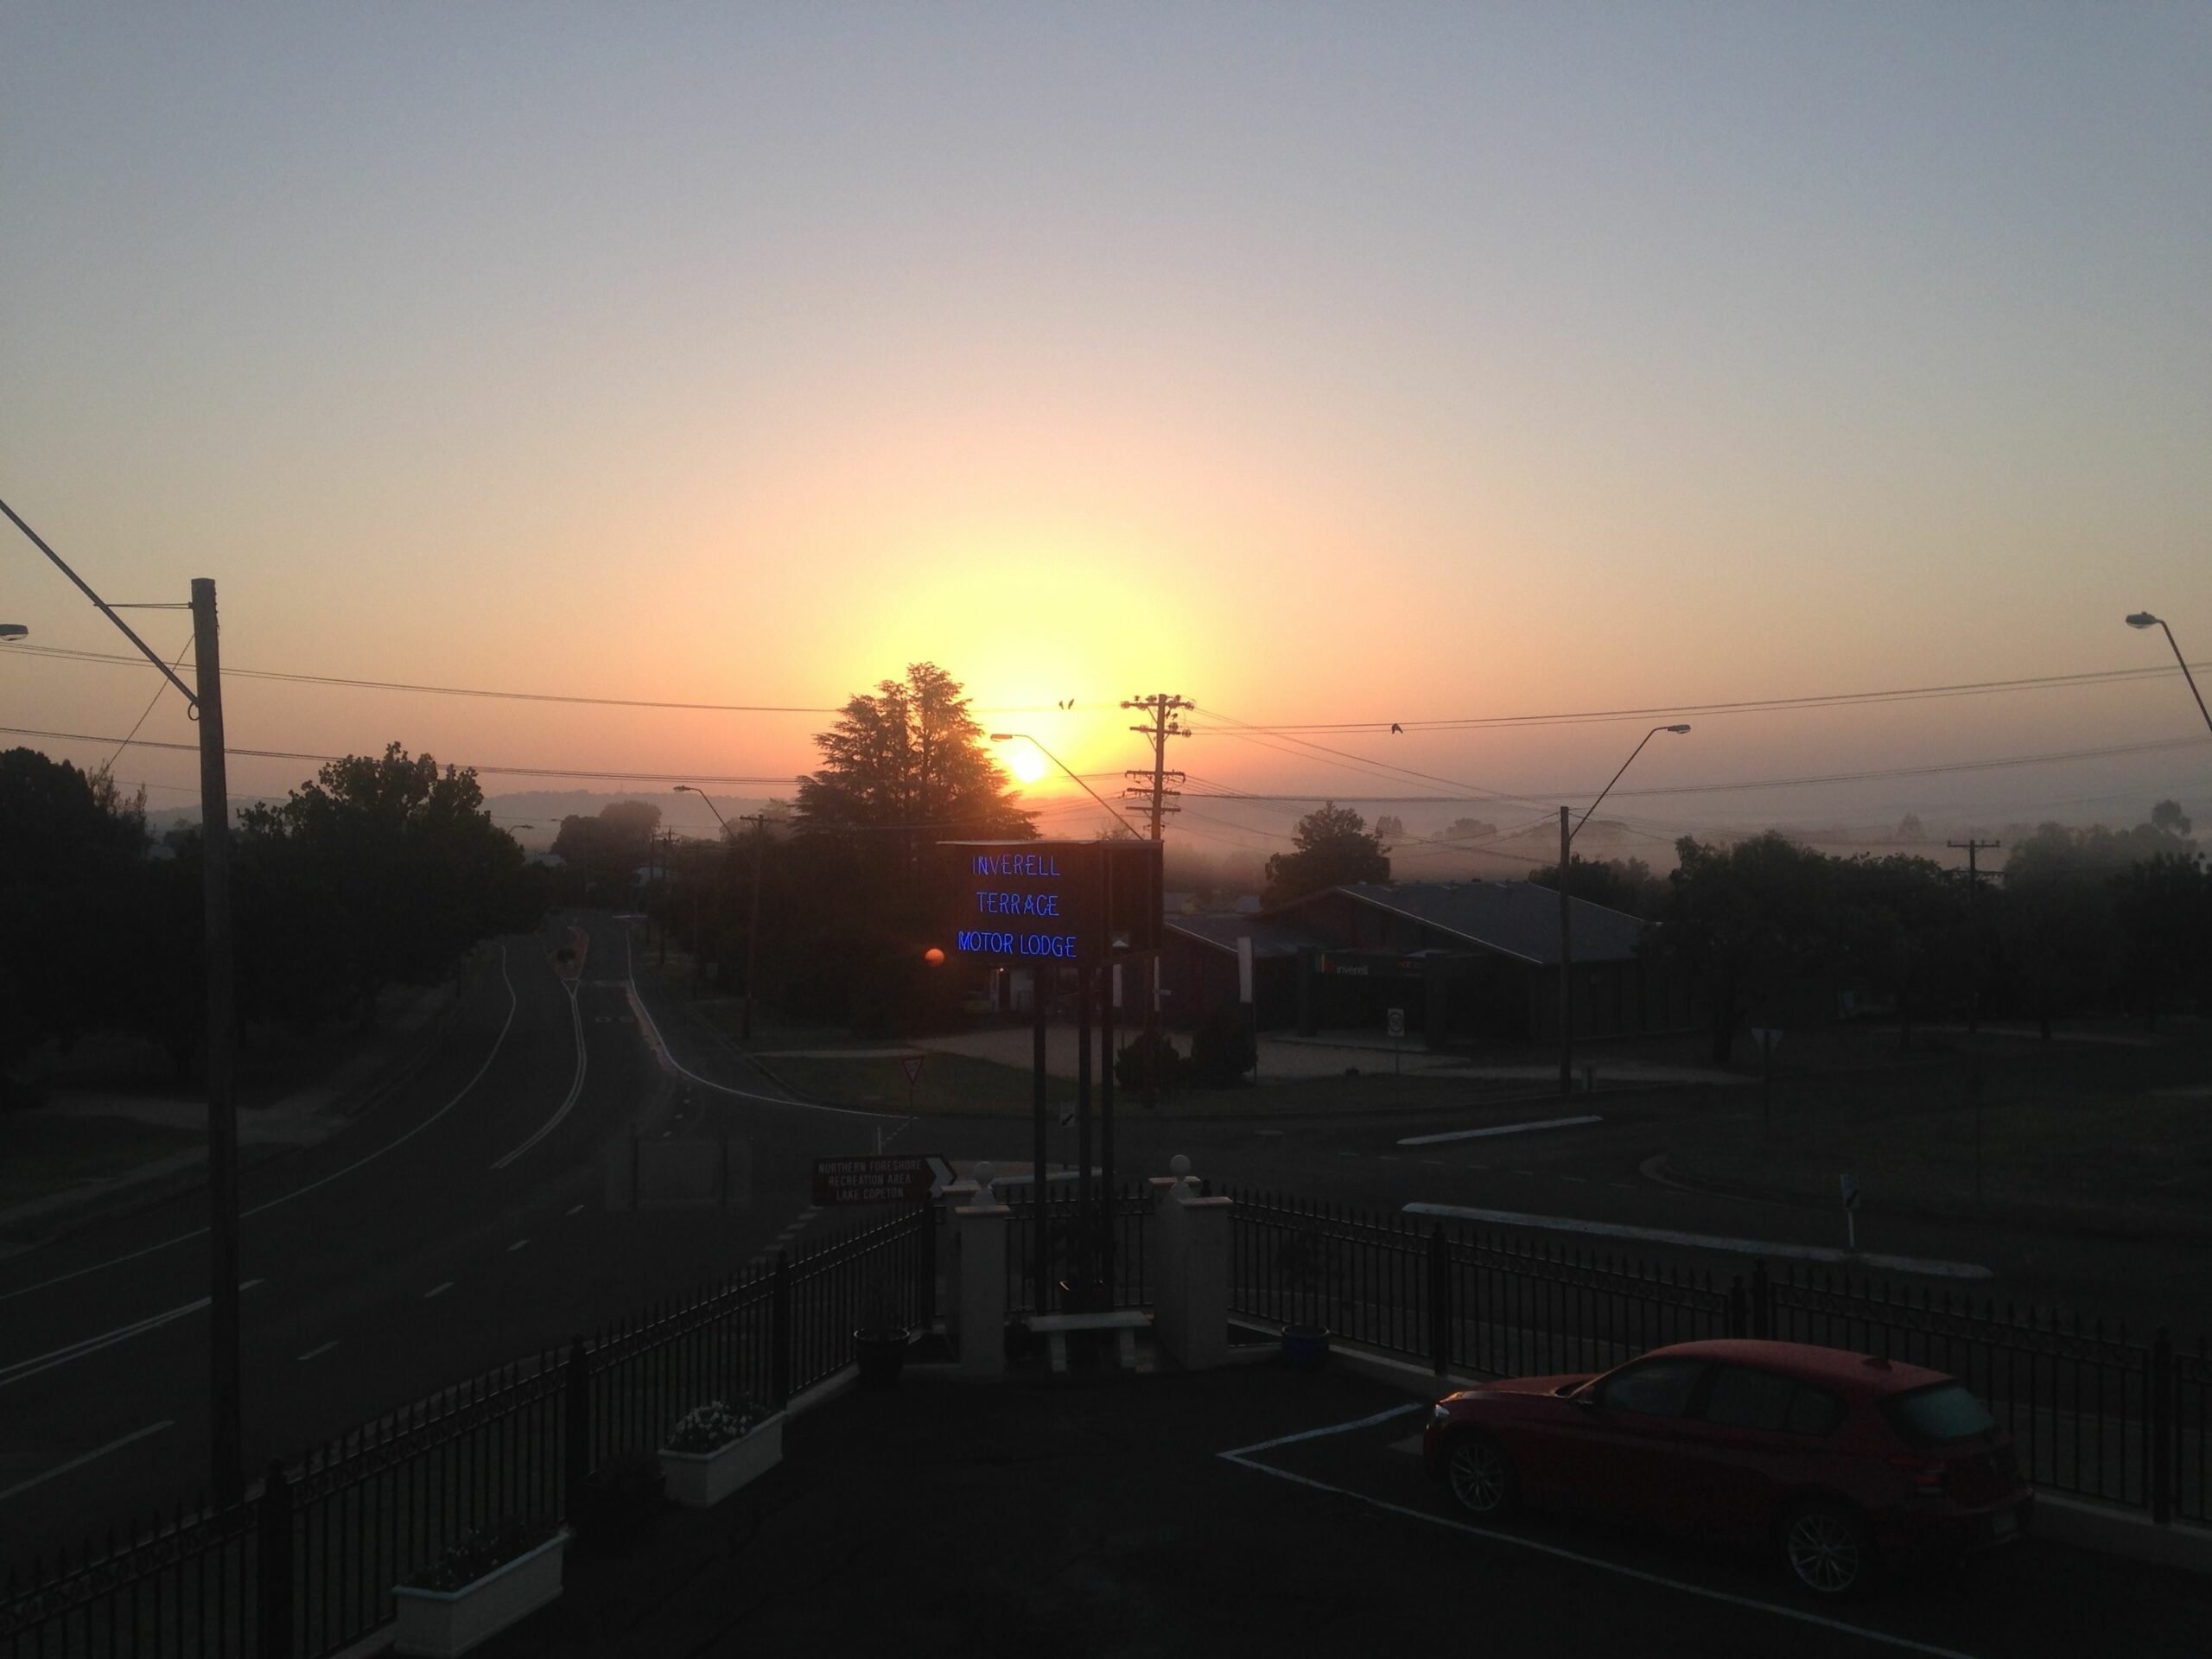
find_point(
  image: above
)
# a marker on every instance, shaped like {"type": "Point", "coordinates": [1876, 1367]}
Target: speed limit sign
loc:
{"type": "Point", "coordinates": [1397, 1022]}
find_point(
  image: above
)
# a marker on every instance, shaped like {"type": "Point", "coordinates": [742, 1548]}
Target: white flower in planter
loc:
{"type": "Point", "coordinates": [714, 1450]}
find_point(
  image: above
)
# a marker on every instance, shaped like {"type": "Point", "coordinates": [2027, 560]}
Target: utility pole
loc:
{"type": "Point", "coordinates": [666, 880]}
{"type": "Point", "coordinates": [1163, 709]}
{"type": "Point", "coordinates": [760, 823]}
{"type": "Point", "coordinates": [1974, 851]}
{"type": "Point", "coordinates": [1566, 957]}
{"type": "Point", "coordinates": [226, 1443]}
{"type": "Point", "coordinates": [227, 1475]}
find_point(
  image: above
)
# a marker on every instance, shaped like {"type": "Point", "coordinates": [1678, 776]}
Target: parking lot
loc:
{"type": "Point", "coordinates": [1242, 1510]}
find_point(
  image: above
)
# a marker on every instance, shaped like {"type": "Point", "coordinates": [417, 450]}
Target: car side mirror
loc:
{"type": "Point", "coordinates": [1583, 1398]}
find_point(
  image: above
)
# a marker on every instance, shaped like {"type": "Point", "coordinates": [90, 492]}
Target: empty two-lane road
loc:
{"type": "Point", "coordinates": [457, 1225]}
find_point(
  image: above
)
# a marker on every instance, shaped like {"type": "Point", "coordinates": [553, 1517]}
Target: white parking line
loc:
{"type": "Point", "coordinates": [80, 1461]}
{"type": "Point", "coordinates": [1501, 1128]}
{"type": "Point", "coordinates": [516, 1245]}
{"type": "Point", "coordinates": [437, 1290]}
{"type": "Point", "coordinates": [1704, 1241]}
{"type": "Point", "coordinates": [317, 1353]}
{"type": "Point", "coordinates": [1242, 1460]}
{"type": "Point", "coordinates": [575, 1209]}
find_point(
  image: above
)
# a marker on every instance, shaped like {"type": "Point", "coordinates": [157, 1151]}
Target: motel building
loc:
{"type": "Point", "coordinates": [1470, 963]}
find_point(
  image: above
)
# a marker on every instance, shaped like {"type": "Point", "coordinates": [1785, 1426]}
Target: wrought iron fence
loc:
{"type": "Point", "coordinates": [2093, 1413]}
{"type": "Point", "coordinates": [1127, 1265]}
{"type": "Point", "coordinates": [306, 1564]}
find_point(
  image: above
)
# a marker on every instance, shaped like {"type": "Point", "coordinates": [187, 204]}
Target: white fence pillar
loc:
{"type": "Point", "coordinates": [1190, 1302]}
{"type": "Point", "coordinates": [978, 1280]}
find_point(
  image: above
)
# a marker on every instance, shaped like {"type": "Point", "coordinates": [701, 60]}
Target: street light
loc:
{"type": "Point", "coordinates": [2145, 619]}
{"type": "Point", "coordinates": [1566, 834]}
{"type": "Point", "coordinates": [753, 928]}
{"type": "Point", "coordinates": [11, 631]}
{"type": "Point", "coordinates": [1009, 737]}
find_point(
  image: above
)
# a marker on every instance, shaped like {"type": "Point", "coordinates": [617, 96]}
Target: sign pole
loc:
{"type": "Point", "coordinates": [1041, 1245]}
{"type": "Point", "coordinates": [1081, 1283]}
{"type": "Point", "coordinates": [1109, 982]}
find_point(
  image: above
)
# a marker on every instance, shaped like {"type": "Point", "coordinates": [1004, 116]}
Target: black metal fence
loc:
{"type": "Point", "coordinates": [2092, 1412]}
{"type": "Point", "coordinates": [1127, 1265]}
{"type": "Point", "coordinates": [306, 1564]}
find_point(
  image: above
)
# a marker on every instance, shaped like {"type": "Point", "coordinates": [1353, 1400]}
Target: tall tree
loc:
{"type": "Point", "coordinates": [381, 871]}
{"type": "Point", "coordinates": [1755, 922]}
{"type": "Point", "coordinates": [907, 764]}
{"type": "Point", "coordinates": [1332, 848]}
{"type": "Point", "coordinates": [1628, 885]}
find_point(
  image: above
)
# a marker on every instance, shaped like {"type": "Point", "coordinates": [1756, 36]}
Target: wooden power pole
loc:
{"type": "Point", "coordinates": [1152, 788]}
{"type": "Point", "coordinates": [1974, 851]}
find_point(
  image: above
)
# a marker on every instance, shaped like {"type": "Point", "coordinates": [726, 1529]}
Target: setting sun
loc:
{"type": "Point", "coordinates": [1023, 760]}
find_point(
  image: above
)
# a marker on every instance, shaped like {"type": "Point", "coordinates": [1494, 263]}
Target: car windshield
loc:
{"type": "Point", "coordinates": [1940, 1415]}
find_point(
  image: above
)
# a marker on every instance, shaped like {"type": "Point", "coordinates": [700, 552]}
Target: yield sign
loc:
{"type": "Point", "coordinates": [912, 1064]}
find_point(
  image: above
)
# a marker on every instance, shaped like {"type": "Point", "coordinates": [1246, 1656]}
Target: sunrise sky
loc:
{"type": "Point", "coordinates": [1323, 363]}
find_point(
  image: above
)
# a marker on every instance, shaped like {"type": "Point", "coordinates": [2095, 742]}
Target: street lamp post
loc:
{"type": "Point", "coordinates": [11, 631]}
{"type": "Point", "coordinates": [2145, 619]}
{"type": "Point", "coordinates": [1567, 833]}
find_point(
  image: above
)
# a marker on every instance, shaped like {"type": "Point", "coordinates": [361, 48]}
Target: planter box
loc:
{"type": "Point", "coordinates": [699, 1480]}
{"type": "Point", "coordinates": [441, 1623]}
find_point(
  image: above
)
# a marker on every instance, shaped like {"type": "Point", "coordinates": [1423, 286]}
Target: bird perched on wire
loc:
{"type": "Point", "coordinates": [1394, 727]}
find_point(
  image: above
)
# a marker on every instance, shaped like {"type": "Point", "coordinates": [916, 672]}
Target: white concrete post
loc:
{"type": "Point", "coordinates": [979, 1235]}
{"type": "Point", "coordinates": [1190, 1316]}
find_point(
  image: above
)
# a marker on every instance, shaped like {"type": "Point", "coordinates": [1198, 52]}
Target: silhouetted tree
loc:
{"type": "Point", "coordinates": [1333, 849]}
{"type": "Point", "coordinates": [1628, 885]}
{"type": "Point", "coordinates": [1755, 922]}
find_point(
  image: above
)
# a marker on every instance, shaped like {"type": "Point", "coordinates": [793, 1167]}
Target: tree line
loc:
{"type": "Point", "coordinates": [380, 871]}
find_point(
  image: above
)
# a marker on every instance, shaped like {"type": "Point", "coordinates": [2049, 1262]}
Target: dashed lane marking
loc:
{"type": "Point", "coordinates": [516, 1245]}
{"type": "Point", "coordinates": [575, 1209]}
{"type": "Point", "coordinates": [437, 1290]}
{"type": "Point", "coordinates": [317, 1353]}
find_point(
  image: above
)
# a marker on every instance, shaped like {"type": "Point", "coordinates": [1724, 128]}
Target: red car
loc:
{"type": "Point", "coordinates": [1837, 1462]}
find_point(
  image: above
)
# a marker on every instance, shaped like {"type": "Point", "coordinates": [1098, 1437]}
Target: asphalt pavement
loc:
{"type": "Point", "coordinates": [1244, 1510]}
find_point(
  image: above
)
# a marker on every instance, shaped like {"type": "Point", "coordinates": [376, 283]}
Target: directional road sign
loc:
{"type": "Point", "coordinates": [886, 1178]}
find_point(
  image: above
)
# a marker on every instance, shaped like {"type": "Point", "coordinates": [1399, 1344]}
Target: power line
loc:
{"type": "Point", "coordinates": [1752, 705]}
{"type": "Point", "coordinates": [117, 658]}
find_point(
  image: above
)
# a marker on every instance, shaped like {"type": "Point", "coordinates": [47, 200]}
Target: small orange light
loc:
{"type": "Point", "coordinates": [933, 956]}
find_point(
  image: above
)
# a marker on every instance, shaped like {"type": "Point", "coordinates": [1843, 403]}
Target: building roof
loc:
{"type": "Point", "coordinates": [1221, 928]}
{"type": "Point", "coordinates": [1515, 918]}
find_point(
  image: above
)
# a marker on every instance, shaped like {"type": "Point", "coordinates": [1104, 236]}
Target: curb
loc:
{"type": "Point", "coordinates": [2085, 1525]}
{"type": "Point", "coordinates": [2134, 1225]}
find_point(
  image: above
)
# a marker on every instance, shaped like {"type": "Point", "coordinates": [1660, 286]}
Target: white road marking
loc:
{"type": "Point", "coordinates": [660, 1046]}
{"type": "Point", "coordinates": [80, 1461]}
{"type": "Point", "coordinates": [23, 1370]}
{"type": "Point", "coordinates": [437, 1290]}
{"type": "Point", "coordinates": [1501, 1128]}
{"type": "Point", "coordinates": [1704, 1241]}
{"type": "Point", "coordinates": [1581, 1180]}
{"type": "Point", "coordinates": [1517, 1172]}
{"type": "Point", "coordinates": [1333, 1428]}
{"type": "Point", "coordinates": [317, 1353]}
{"type": "Point", "coordinates": [1266, 1131]}
{"type": "Point", "coordinates": [299, 1193]}
{"type": "Point", "coordinates": [576, 1210]}
{"type": "Point", "coordinates": [1241, 1458]}
{"type": "Point", "coordinates": [516, 1245]}
{"type": "Point", "coordinates": [575, 1086]}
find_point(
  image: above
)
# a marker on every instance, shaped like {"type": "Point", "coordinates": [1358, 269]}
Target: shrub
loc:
{"type": "Point", "coordinates": [1221, 1050]}
{"type": "Point", "coordinates": [1168, 1064]}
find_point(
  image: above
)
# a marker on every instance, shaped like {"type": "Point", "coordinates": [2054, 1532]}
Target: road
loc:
{"type": "Point", "coordinates": [459, 1225]}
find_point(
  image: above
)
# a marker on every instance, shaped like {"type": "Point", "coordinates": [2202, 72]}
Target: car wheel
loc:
{"type": "Point", "coordinates": [1480, 1478]}
{"type": "Point", "coordinates": [1827, 1549]}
